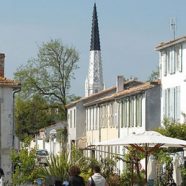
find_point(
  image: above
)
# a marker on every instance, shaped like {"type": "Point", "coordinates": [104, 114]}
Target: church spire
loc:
{"type": "Point", "coordinates": [94, 80]}
{"type": "Point", "coordinates": [95, 42]}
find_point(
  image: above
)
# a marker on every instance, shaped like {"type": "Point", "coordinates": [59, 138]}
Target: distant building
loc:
{"type": "Point", "coordinates": [130, 106]}
{"type": "Point", "coordinates": [172, 67]}
{"type": "Point", "coordinates": [8, 88]}
{"type": "Point", "coordinates": [48, 138]}
{"type": "Point", "coordinates": [134, 106]}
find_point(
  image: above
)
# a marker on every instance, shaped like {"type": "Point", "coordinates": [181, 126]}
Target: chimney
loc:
{"type": "Point", "coordinates": [120, 82]}
{"type": "Point", "coordinates": [2, 59]}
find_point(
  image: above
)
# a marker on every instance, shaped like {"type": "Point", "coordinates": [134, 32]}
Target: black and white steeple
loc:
{"type": "Point", "coordinates": [94, 80]}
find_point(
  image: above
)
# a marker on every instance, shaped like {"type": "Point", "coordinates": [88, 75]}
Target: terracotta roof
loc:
{"type": "Point", "coordinates": [4, 82]}
{"type": "Point", "coordinates": [109, 90]}
{"type": "Point", "coordinates": [101, 93]}
{"type": "Point", "coordinates": [139, 88]}
{"type": "Point", "coordinates": [90, 97]}
{"type": "Point", "coordinates": [127, 92]}
{"type": "Point", "coordinates": [163, 45]}
{"type": "Point", "coordinates": [71, 104]}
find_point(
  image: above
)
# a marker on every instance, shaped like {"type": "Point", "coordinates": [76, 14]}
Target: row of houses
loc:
{"type": "Point", "coordinates": [114, 112]}
{"type": "Point", "coordinates": [131, 106]}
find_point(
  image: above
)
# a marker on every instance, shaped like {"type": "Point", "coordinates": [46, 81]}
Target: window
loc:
{"type": "Point", "coordinates": [164, 62]}
{"type": "Point", "coordinates": [74, 118]}
{"type": "Point", "coordinates": [178, 57]}
{"type": "Point", "coordinates": [124, 113]}
{"type": "Point", "coordinates": [86, 119]}
{"type": "Point", "coordinates": [101, 116]}
{"type": "Point", "coordinates": [131, 113]}
{"type": "Point", "coordinates": [172, 59]}
{"type": "Point", "coordinates": [89, 119]}
{"type": "Point", "coordinates": [70, 118]}
{"type": "Point", "coordinates": [111, 115]}
{"type": "Point", "coordinates": [172, 103]}
{"type": "Point", "coordinates": [177, 103]}
{"type": "Point", "coordinates": [105, 114]}
{"type": "Point", "coordinates": [96, 118]}
{"type": "Point", "coordinates": [139, 111]}
{"type": "Point", "coordinates": [93, 118]}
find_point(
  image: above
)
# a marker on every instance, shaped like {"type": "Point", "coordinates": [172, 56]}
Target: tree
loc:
{"type": "Point", "coordinates": [62, 138]}
{"type": "Point", "coordinates": [154, 75]}
{"type": "Point", "coordinates": [25, 170]}
{"type": "Point", "coordinates": [57, 168]}
{"type": "Point", "coordinates": [49, 74]}
{"type": "Point", "coordinates": [172, 129]}
{"type": "Point", "coordinates": [31, 115]}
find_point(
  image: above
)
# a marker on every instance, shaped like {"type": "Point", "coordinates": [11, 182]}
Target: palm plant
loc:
{"type": "Point", "coordinates": [57, 168]}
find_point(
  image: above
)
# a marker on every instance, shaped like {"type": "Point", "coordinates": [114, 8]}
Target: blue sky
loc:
{"type": "Point", "coordinates": [129, 32]}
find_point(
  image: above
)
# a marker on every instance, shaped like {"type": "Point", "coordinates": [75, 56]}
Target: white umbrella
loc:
{"type": "Point", "coordinates": [143, 141]}
{"type": "Point", "coordinates": [151, 138]}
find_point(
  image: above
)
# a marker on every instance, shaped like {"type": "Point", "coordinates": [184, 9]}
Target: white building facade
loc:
{"type": "Point", "coordinates": [47, 138]}
{"type": "Point", "coordinates": [172, 67]}
{"type": "Point", "coordinates": [8, 89]}
{"type": "Point", "coordinates": [136, 108]}
{"type": "Point", "coordinates": [131, 106]}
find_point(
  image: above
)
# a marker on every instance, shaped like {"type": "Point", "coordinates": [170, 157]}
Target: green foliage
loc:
{"type": "Point", "coordinates": [172, 129]}
{"type": "Point", "coordinates": [114, 180]}
{"type": "Point", "coordinates": [107, 166]}
{"type": "Point", "coordinates": [132, 159]}
{"type": "Point", "coordinates": [163, 156]}
{"type": "Point", "coordinates": [85, 163]}
{"type": "Point", "coordinates": [30, 116]}
{"type": "Point", "coordinates": [49, 74]}
{"type": "Point", "coordinates": [72, 98]}
{"type": "Point", "coordinates": [77, 156]}
{"type": "Point", "coordinates": [127, 178]}
{"type": "Point", "coordinates": [25, 170]}
{"type": "Point", "coordinates": [59, 165]}
{"type": "Point", "coordinates": [154, 75]}
{"type": "Point", "coordinates": [57, 168]}
{"type": "Point", "coordinates": [62, 137]}
{"type": "Point", "coordinates": [183, 173]}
